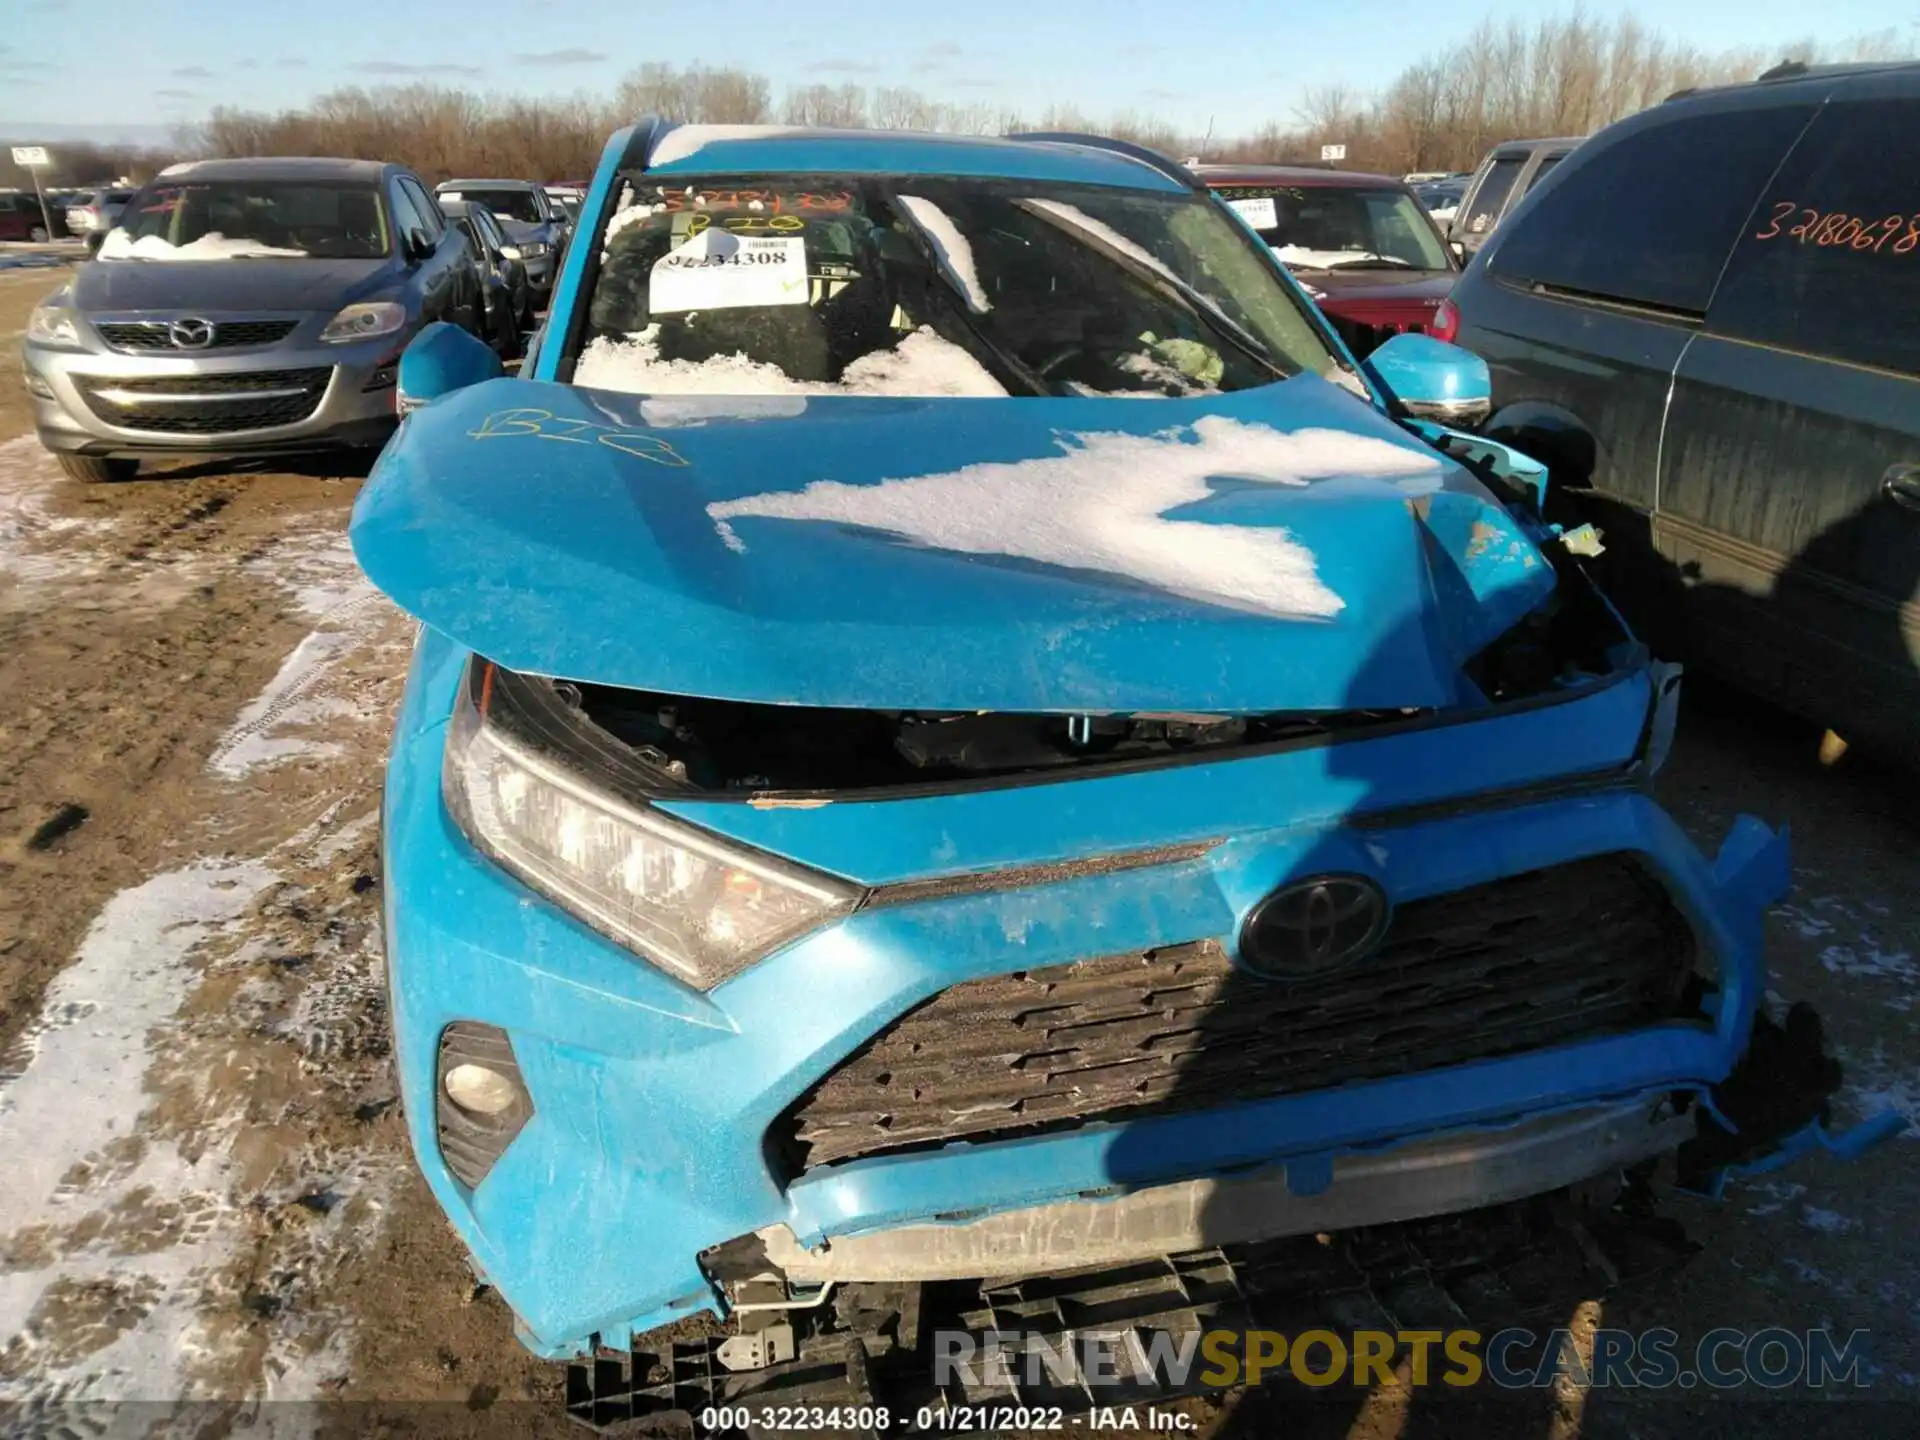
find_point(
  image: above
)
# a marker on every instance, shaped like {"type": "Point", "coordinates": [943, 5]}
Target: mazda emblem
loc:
{"type": "Point", "coordinates": [1314, 927]}
{"type": "Point", "coordinates": [190, 334]}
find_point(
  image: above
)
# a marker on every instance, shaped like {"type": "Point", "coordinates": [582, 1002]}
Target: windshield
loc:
{"type": "Point", "coordinates": [918, 286]}
{"type": "Point", "coordinates": [222, 219]}
{"type": "Point", "coordinates": [1328, 227]}
{"type": "Point", "coordinates": [507, 204]}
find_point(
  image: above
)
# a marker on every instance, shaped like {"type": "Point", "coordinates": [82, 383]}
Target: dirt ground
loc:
{"type": "Point", "coordinates": [205, 1190]}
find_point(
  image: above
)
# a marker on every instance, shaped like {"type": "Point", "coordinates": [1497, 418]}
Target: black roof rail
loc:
{"type": "Point", "coordinates": [1785, 70]}
{"type": "Point", "coordinates": [1164, 164]}
{"type": "Point", "coordinates": [647, 133]}
{"type": "Point", "coordinates": [1681, 94]}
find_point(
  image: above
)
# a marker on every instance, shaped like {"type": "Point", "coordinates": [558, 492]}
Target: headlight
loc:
{"type": "Point", "coordinates": [534, 249]}
{"type": "Point", "coordinates": [364, 322]}
{"type": "Point", "coordinates": [694, 905]}
{"type": "Point", "coordinates": [52, 324]}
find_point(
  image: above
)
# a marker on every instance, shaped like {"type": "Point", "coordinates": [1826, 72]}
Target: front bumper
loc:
{"type": "Point", "coordinates": [652, 1103]}
{"type": "Point", "coordinates": [301, 396]}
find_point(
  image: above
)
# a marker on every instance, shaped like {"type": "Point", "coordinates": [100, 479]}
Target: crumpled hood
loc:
{"type": "Point", "coordinates": [1280, 549]}
{"type": "Point", "coordinates": [227, 286]}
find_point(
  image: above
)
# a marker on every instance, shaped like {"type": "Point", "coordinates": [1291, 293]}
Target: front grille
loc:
{"type": "Point", "coordinates": [1364, 339]}
{"type": "Point", "coordinates": [151, 335]}
{"type": "Point", "coordinates": [1539, 959]}
{"type": "Point", "coordinates": [206, 404]}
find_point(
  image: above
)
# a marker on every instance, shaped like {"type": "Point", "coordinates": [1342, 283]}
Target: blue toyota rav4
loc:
{"type": "Point", "coordinates": [956, 732]}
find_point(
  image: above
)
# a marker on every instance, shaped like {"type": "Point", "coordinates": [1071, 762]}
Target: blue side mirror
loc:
{"type": "Point", "coordinates": [1432, 379]}
{"type": "Point", "coordinates": [441, 359]}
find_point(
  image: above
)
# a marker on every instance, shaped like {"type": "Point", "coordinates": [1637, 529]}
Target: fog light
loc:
{"type": "Point", "coordinates": [482, 1102]}
{"type": "Point", "coordinates": [37, 384]}
{"type": "Point", "coordinates": [480, 1091]}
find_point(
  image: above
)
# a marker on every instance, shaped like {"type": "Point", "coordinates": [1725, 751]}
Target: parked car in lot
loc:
{"type": "Point", "coordinates": [21, 217]}
{"type": "Point", "coordinates": [1502, 181]}
{"type": "Point", "coordinates": [1728, 388]}
{"type": "Point", "coordinates": [1442, 197]}
{"type": "Point", "coordinates": [1360, 244]}
{"type": "Point", "coordinates": [240, 307]}
{"type": "Point", "coordinates": [98, 210]}
{"type": "Point", "coordinates": [507, 298]}
{"type": "Point", "coordinates": [535, 224]}
{"type": "Point", "coordinates": [926, 601]}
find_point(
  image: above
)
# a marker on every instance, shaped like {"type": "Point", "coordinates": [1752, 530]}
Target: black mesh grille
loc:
{"type": "Point", "coordinates": [227, 334]}
{"type": "Point", "coordinates": [252, 400]}
{"type": "Point", "coordinates": [1363, 340]}
{"type": "Point", "coordinates": [1538, 959]}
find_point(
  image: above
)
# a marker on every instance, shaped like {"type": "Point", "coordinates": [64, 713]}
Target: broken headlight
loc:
{"type": "Point", "coordinates": [696, 906]}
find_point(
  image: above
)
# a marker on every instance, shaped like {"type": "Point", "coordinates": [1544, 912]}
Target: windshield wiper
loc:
{"type": "Point", "coordinates": [963, 301]}
{"type": "Point", "coordinates": [1167, 284]}
{"type": "Point", "coordinates": [1371, 262]}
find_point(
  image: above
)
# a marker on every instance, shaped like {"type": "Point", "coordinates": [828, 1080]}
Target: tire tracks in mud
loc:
{"type": "Point", "coordinates": [122, 660]}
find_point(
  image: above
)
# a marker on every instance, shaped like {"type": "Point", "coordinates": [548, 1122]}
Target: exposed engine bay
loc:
{"type": "Point", "coordinates": [678, 744]}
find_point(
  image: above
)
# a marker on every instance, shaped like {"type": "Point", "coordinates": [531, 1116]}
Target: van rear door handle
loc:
{"type": "Point", "coordinates": [1901, 484]}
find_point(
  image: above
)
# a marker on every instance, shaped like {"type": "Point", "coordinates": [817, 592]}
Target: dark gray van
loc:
{"type": "Point", "coordinates": [1704, 324]}
{"type": "Point", "coordinates": [1507, 173]}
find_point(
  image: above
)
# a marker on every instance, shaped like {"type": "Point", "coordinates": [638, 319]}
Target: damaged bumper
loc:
{"type": "Point", "coordinates": [662, 1123]}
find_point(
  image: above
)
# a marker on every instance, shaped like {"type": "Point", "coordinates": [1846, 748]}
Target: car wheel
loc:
{"type": "Point", "coordinates": [98, 469]}
{"type": "Point", "coordinates": [37, 234]}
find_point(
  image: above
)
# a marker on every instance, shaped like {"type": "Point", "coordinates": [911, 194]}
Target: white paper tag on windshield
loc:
{"type": "Point", "coordinates": [718, 270]}
{"type": "Point", "coordinates": [1261, 214]}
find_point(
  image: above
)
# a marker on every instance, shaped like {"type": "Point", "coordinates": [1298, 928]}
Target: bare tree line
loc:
{"type": "Point", "coordinates": [1562, 75]}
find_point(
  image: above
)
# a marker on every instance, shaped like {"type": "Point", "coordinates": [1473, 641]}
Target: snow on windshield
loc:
{"type": "Point", "coordinates": [119, 245]}
{"type": "Point", "coordinates": [1103, 504]}
{"type": "Point", "coordinates": [921, 365]}
{"type": "Point", "coordinates": [955, 252]}
{"type": "Point", "coordinates": [1310, 259]}
{"type": "Point", "coordinates": [1107, 235]}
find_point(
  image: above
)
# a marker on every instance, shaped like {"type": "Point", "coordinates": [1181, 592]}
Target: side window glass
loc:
{"type": "Point", "coordinates": [1830, 264]}
{"type": "Point", "coordinates": [1491, 195]}
{"type": "Point", "coordinates": [1650, 217]}
{"type": "Point", "coordinates": [1546, 169]}
{"type": "Point", "coordinates": [430, 216]}
{"type": "Point", "coordinates": [406, 216]}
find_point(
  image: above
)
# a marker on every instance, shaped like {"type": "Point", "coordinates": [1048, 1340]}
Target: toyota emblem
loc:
{"type": "Point", "coordinates": [1314, 927]}
{"type": "Point", "coordinates": [190, 334]}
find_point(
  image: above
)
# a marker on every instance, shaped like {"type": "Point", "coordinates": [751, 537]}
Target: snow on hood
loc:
{"type": "Point", "coordinates": [1106, 502]}
{"type": "Point", "coordinates": [1281, 548]}
{"type": "Point", "coordinates": [922, 364]}
{"type": "Point", "coordinates": [120, 245]}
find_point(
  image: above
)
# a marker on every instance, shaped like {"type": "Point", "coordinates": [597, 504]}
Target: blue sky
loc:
{"type": "Point", "coordinates": [136, 67]}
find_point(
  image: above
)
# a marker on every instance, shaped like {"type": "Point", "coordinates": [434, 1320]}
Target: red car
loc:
{"type": "Point", "coordinates": [21, 217]}
{"type": "Point", "coordinates": [1362, 246]}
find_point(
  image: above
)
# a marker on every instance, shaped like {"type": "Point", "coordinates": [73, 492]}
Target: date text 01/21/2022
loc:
{"type": "Point", "coordinates": [944, 1419]}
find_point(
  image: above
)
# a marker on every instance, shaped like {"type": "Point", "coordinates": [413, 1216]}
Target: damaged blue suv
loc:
{"type": "Point", "coordinates": [956, 732]}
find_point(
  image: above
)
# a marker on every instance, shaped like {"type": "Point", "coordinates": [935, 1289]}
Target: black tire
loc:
{"type": "Point", "coordinates": [98, 469]}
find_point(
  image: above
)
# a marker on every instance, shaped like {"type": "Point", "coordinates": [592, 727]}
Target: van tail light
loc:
{"type": "Point", "coordinates": [1445, 324]}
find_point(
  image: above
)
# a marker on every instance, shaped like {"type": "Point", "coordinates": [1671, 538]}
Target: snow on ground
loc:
{"type": "Point", "coordinates": [278, 724]}
{"type": "Point", "coordinates": [1102, 504]}
{"type": "Point", "coordinates": [145, 1127]}
{"type": "Point", "coordinates": [954, 249]}
{"type": "Point", "coordinates": [921, 365]}
{"type": "Point", "coordinates": [78, 1163]}
{"type": "Point", "coordinates": [29, 529]}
